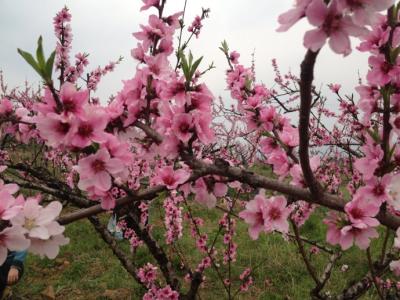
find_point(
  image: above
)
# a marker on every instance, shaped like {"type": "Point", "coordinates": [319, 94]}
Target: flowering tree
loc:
{"type": "Point", "coordinates": [165, 138]}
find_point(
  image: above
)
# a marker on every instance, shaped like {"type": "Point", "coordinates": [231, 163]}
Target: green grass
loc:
{"type": "Point", "coordinates": [87, 269]}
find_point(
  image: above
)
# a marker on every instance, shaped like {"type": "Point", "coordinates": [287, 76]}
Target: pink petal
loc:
{"type": "Point", "coordinates": [340, 43]}
{"type": "Point", "coordinates": [316, 12]}
{"type": "Point", "coordinates": [39, 232]}
{"type": "Point", "coordinates": [220, 189]}
{"type": "Point", "coordinates": [314, 39]}
{"type": "Point", "coordinates": [103, 181]}
{"type": "Point", "coordinates": [49, 213]}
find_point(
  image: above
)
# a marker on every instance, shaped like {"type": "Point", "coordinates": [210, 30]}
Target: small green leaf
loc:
{"type": "Point", "coordinates": [30, 60]}
{"type": "Point", "coordinates": [375, 135]}
{"type": "Point", "coordinates": [394, 54]}
{"type": "Point", "coordinates": [190, 59]}
{"type": "Point", "coordinates": [49, 65]}
{"type": "Point", "coordinates": [194, 67]}
{"type": "Point", "coordinates": [40, 55]}
{"type": "Point", "coordinates": [224, 47]}
{"type": "Point", "coordinates": [185, 67]}
{"type": "Point", "coordinates": [248, 83]}
{"type": "Point", "coordinates": [391, 152]}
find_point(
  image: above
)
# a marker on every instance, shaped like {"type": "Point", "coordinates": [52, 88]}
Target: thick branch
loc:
{"type": "Point", "coordinates": [306, 79]}
{"type": "Point", "coordinates": [147, 194]}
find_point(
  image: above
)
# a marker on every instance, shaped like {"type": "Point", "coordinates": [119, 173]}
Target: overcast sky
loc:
{"type": "Point", "coordinates": [104, 29]}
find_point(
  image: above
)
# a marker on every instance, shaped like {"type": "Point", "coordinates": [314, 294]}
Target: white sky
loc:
{"type": "Point", "coordinates": [103, 28]}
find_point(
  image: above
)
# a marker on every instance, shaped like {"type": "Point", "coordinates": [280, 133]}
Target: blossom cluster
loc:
{"type": "Point", "coordinates": [335, 20]}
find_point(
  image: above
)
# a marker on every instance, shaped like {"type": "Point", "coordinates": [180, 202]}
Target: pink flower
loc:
{"type": "Point", "coordinates": [267, 117]}
{"type": "Point", "coordinates": [331, 24]}
{"type": "Point", "coordinates": [395, 122]}
{"type": "Point", "coordinates": [175, 89]}
{"type": "Point", "coordinates": [234, 57]}
{"type": "Point", "coordinates": [381, 71]}
{"type": "Point", "coordinates": [95, 170]}
{"type": "Point", "coordinates": [156, 29]}
{"type": "Point", "coordinates": [276, 213]}
{"type": "Point", "coordinates": [90, 128]}
{"type": "Point", "coordinates": [373, 155]}
{"type": "Point", "coordinates": [12, 238]}
{"type": "Point", "coordinates": [334, 87]}
{"type": "Point", "coordinates": [158, 65]}
{"type": "Point", "coordinates": [290, 136]}
{"type": "Point", "coordinates": [6, 106]}
{"type": "Point", "coordinates": [73, 100]}
{"type": "Point", "coordinates": [254, 215]}
{"type": "Point", "coordinates": [204, 131]}
{"type": "Point", "coordinates": [55, 129]}
{"type": "Point", "coordinates": [376, 38]}
{"type": "Point", "coordinates": [39, 222]}
{"type": "Point", "coordinates": [171, 178]}
{"type": "Point", "coordinates": [280, 162]}
{"type": "Point", "coordinates": [376, 190]}
{"type": "Point", "coordinates": [361, 212]}
{"type": "Point", "coordinates": [182, 125]}
{"type": "Point", "coordinates": [360, 236]}
{"type": "Point", "coordinates": [202, 194]}
{"type": "Point", "coordinates": [364, 12]}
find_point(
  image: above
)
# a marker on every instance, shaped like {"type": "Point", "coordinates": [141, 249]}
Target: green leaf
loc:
{"type": "Point", "coordinates": [49, 65]}
{"type": "Point", "coordinates": [375, 135]}
{"type": "Point", "coordinates": [394, 54]}
{"type": "Point", "coordinates": [190, 59]}
{"type": "Point", "coordinates": [391, 152]}
{"type": "Point", "coordinates": [30, 60]}
{"type": "Point", "coordinates": [185, 67]}
{"type": "Point", "coordinates": [224, 47]}
{"type": "Point", "coordinates": [248, 83]}
{"type": "Point", "coordinates": [40, 55]}
{"type": "Point", "coordinates": [194, 67]}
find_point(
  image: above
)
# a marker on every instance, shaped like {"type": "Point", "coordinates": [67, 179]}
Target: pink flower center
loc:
{"type": "Point", "coordinates": [178, 88]}
{"type": "Point", "coordinates": [155, 69]}
{"type": "Point", "coordinates": [259, 218]}
{"type": "Point", "coordinates": [386, 67]}
{"type": "Point", "coordinates": [69, 105]}
{"type": "Point", "coordinates": [379, 190]}
{"type": "Point", "coordinates": [98, 166]}
{"type": "Point", "coordinates": [184, 127]}
{"type": "Point", "coordinates": [85, 130]}
{"type": "Point", "coordinates": [63, 127]}
{"type": "Point", "coordinates": [356, 213]}
{"type": "Point", "coordinates": [332, 23]}
{"type": "Point", "coordinates": [275, 213]}
{"type": "Point", "coordinates": [397, 122]}
{"type": "Point", "coordinates": [169, 180]}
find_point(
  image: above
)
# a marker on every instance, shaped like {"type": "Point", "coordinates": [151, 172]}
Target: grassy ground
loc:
{"type": "Point", "coordinates": [86, 269]}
